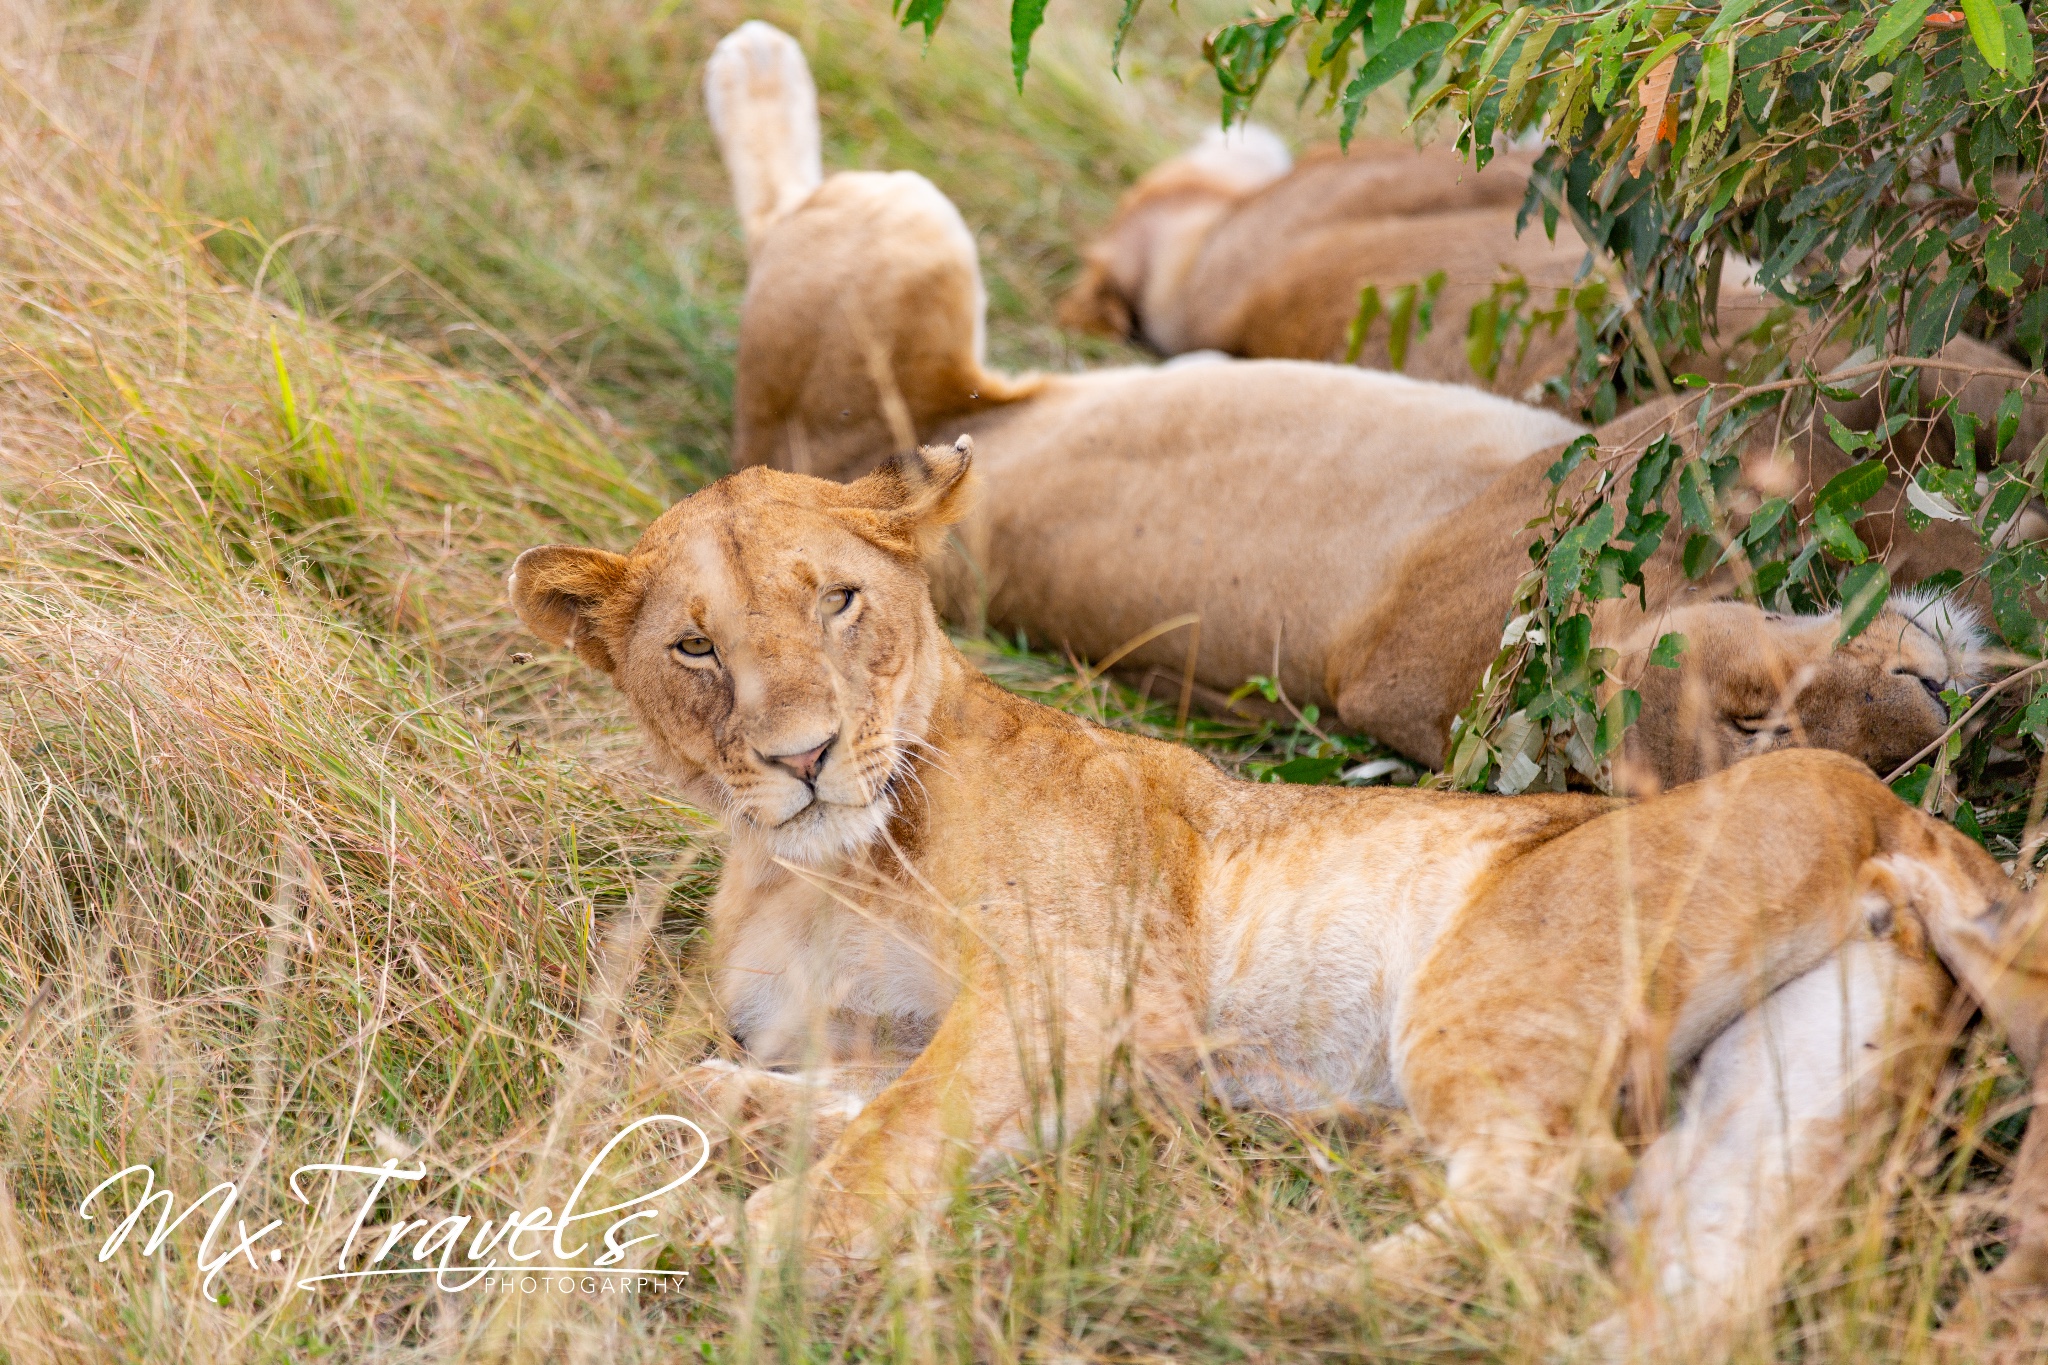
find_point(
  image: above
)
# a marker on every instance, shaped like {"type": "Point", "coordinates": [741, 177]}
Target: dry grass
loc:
{"type": "Point", "coordinates": [531, 190]}
{"type": "Point", "coordinates": [301, 864]}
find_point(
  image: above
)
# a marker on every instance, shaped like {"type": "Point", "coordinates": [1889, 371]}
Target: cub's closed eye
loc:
{"type": "Point", "coordinates": [837, 600]}
{"type": "Point", "coordinates": [1756, 725]}
{"type": "Point", "coordinates": [695, 646]}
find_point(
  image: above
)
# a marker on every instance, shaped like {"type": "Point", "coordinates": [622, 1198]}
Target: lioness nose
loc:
{"type": "Point", "coordinates": [806, 764]}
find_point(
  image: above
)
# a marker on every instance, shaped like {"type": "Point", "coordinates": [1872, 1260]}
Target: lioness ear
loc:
{"type": "Point", "coordinates": [565, 594]}
{"type": "Point", "coordinates": [906, 505]}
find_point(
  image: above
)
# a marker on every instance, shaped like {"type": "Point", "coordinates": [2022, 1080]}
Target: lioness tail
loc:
{"type": "Point", "coordinates": [764, 112]}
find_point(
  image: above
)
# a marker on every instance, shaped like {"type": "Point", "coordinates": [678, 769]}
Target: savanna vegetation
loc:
{"type": "Point", "coordinates": [314, 316]}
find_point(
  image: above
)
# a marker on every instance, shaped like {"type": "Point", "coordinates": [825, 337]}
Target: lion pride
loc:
{"type": "Point", "coordinates": [1009, 897]}
{"type": "Point", "coordinates": [1300, 512]}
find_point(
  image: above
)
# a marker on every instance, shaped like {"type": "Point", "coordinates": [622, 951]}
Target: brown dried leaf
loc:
{"type": "Point", "coordinates": [1660, 123]}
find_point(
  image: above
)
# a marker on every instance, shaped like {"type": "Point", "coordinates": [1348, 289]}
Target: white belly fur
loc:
{"type": "Point", "coordinates": [1310, 972]}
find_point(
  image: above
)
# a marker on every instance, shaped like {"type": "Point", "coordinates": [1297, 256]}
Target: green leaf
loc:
{"type": "Point", "coordinates": [1939, 310]}
{"type": "Point", "coordinates": [2009, 409]}
{"type": "Point", "coordinates": [2034, 720]}
{"type": "Point", "coordinates": [1354, 19]}
{"type": "Point", "coordinates": [1620, 712]}
{"type": "Point", "coordinates": [1835, 533]}
{"type": "Point", "coordinates": [1571, 643]}
{"type": "Point", "coordinates": [1259, 683]}
{"type": "Point", "coordinates": [1805, 558]}
{"type": "Point", "coordinates": [1853, 487]}
{"type": "Point", "coordinates": [1849, 441]}
{"type": "Point", "coordinates": [1966, 821]}
{"type": "Point", "coordinates": [1998, 271]}
{"type": "Point", "coordinates": [2019, 44]}
{"type": "Point", "coordinates": [1469, 765]}
{"type": "Point", "coordinates": [1667, 651]}
{"type": "Point", "coordinates": [1732, 13]}
{"type": "Point", "coordinates": [2012, 575]}
{"type": "Point", "coordinates": [925, 12]}
{"type": "Point", "coordinates": [1664, 49]}
{"type": "Point", "coordinates": [1901, 19]}
{"type": "Point", "coordinates": [1698, 555]}
{"type": "Point", "coordinates": [1386, 22]}
{"type": "Point", "coordinates": [1305, 770]}
{"type": "Point", "coordinates": [1987, 30]}
{"type": "Point", "coordinates": [1025, 17]}
{"type": "Point", "coordinates": [1574, 454]}
{"type": "Point", "coordinates": [1717, 72]}
{"type": "Point", "coordinates": [1400, 322]}
{"type": "Point", "coordinates": [1770, 576]}
{"type": "Point", "coordinates": [1652, 473]}
{"type": "Point", "coordinates": [1525, 64]}
{"type": "Point", "coordinates": [1123, 31]}
{"type": "Point", "coordinates": [1369, 309]}
{"type": "Point", "coordinates": [1415, 43]}
{"type": "Point", "coordinates": [1768, 514]}
{"type": "Point", "coordinates": [1483, 338]}
{"type": "Point", "coordinates": [2011, 495]}
{"type": "Point", "coordinates": [1242, 54]}
{"type": "Point", "coordinates": [1695, 499]}
{"type": "Point", "coordinates": [1865, 589]}
{"type": "Point", "coordinates": [1568, 561]}
{"type": "Point", "coordinates": [1497, 42]}
{"type": "Point", "coordinates": [1965, 423]}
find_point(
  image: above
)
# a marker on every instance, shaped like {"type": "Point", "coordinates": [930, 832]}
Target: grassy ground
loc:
{"type": "Point", "coordinates": [314, 315]}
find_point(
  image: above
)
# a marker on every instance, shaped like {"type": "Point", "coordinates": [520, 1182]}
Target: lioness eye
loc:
{"type": "Point", "coordinates": [838, 600]}
{"type": "Point", "coordinates": [696, 646]}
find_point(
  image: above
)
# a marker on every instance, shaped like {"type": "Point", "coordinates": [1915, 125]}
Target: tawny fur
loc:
{"type": "Point", "coordinates": [841, 361]}
{"type": "Point", "coordinates": [1004, 895]}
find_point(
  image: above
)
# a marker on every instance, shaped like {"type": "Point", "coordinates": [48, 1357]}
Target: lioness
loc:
{"type": "Point", "coordinates": [1011, 895]}
{"type": "Point", "coordinates": [1286, 505]}
{"type": "Point", "coordinates": [1229, 247]}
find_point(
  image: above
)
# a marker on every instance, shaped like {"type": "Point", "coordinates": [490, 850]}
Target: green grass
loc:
{"type": "Point", "coordinates": [307, 860]}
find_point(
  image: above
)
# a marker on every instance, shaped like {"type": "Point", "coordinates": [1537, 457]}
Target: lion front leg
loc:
{"type": "Point", "coordinates": [1005, 1071]}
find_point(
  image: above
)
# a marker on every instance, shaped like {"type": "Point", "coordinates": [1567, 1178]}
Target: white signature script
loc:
{"type": "Point", "coordinates": [435, 1250]}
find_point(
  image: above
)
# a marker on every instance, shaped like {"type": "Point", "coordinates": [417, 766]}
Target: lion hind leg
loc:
{"type": "Point", "coordinates": [1499, 1186]}
{"type": "Point", "coordinates": [1764, 1143]}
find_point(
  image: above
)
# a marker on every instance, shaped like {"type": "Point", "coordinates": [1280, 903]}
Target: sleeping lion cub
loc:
{"type": "Point", "coordinates": [1011, 897]}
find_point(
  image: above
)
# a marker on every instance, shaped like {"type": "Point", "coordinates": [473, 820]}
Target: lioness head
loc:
{"type": "Point", "coordinates": [775, 637]}
{"type": "Point", "coordinates": [1158, 227]}
{"type": "Point", "coordinates": [1750, 681]}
